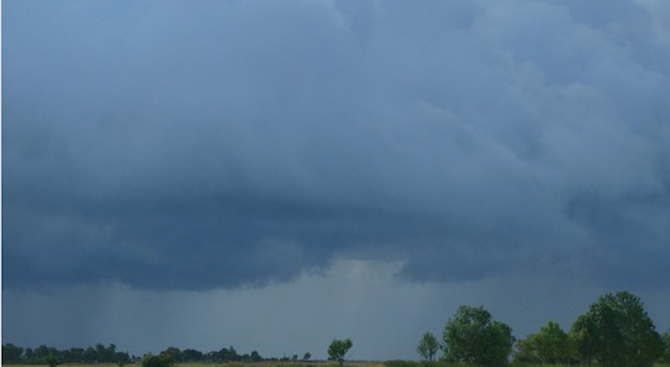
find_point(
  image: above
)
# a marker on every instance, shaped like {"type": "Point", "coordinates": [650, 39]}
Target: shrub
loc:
{"type": "Point", "coordinates": [162, 360]}
{"type": "Point", "coordinates": [51, 361]}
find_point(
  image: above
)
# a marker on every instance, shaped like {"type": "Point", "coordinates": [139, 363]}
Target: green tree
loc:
{"type": "Point", "coordinates": [338, 349]}
{"type": "Point", "coordinates": [42, 352]}
{"type": "Point", "coordinates": [11, 353]}
{"type": "Point", "coordinates": [121, 358]}
{"type": "Point", "coordinates": [192, 355]}
{"type": "Point", "coordinates": [666, 342]}
{"type": "Point", "coordinates": [549, 346]}
{"type": "Point", "coordinates": [525, 352]}
{"type": "Point", "coordinates": [228, 355]}
{"type": "Point", "coordinates": [75, 355]}
{"type": "Point", "coordinates": [51, 360]}
{"type": "Point", "coordinates": [28, 354]}
{"type": "Point", "coordinates": [428, 346]}
{"type": "Point", "coordinates": [472, 337]}
{"type": "Point", "coordinates": [174, 354]}
{"type": "Point", "coordinates": [101, 353]}
{"type": "Point", "coordinates": [90, 355]}
{"type": "Point", "coordinates": [255, 356]}
{"type": "Point", "coordinates": [162, 360]}
{"type": "Point", "coordinates": [617, 332]}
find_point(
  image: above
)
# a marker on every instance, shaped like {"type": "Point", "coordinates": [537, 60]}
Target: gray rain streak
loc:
{"type": "Point", "coordinates": [179, 145]}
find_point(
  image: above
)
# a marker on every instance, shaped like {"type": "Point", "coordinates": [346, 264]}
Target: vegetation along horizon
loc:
{"type": "Point", "coordinates": [615, 331]}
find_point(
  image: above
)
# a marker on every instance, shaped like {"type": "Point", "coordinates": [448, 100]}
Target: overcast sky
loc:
{"type": "Point", "coordinates": [275, 174]}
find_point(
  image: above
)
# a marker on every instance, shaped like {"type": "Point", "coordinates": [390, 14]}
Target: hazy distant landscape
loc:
{"type": "Point", "coordinates": [616, 331]}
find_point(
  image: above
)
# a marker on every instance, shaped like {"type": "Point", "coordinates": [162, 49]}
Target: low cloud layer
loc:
{"type": "Point", "coordinates": [190, 146]}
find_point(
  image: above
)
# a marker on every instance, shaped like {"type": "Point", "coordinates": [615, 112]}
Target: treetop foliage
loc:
{"type": "Point", "coordinates": [428, 346]}
{"type": "Point", "coordinates": [52, 356]}
{"type": "Point", "coordinates": [617, 332]}
{"type": "Point", "coordinates": [473, 337]}
{"type": "Point", "coordinates": [337, 350]}
{"type": "Point", "coordinates": [101, 354]}
{"type": "Point", "coordinates": [161, 360]}
{"type": "Point", "coordinates": [666, 341]}
{"type": "Point", "coordinates": [551, 345]}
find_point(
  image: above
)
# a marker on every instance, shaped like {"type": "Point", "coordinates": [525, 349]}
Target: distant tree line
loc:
{"type": "Point", "coordinates": [101, 354]}
{"type": "Point", "coordinates": [615, 332]}
{"type": "Point", "coordinates": [48, 355]}
{"type": "Point", "coordinates": [223, 355]}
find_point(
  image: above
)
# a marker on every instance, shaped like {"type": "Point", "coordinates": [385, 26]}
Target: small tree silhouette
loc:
{"type": "Point", "coordinates": [338, 350]}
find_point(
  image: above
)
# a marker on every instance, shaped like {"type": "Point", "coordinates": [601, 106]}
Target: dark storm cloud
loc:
{"type": "Point", "coordinates": [173, 145]}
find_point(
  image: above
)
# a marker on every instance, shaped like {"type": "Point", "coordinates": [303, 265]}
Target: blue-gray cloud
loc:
{"type": "Point", "coordinates": [172, 145]}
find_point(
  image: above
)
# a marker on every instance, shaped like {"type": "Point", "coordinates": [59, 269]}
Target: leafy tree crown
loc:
{"type": "Point", "coordinates": [338, 349]}
{"type": "Point", "coordinates": [473, 337]}
{"type": "Point", "coordinates": [428, 346]}
{"type": "Point", "coordinates": [617, 332]}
